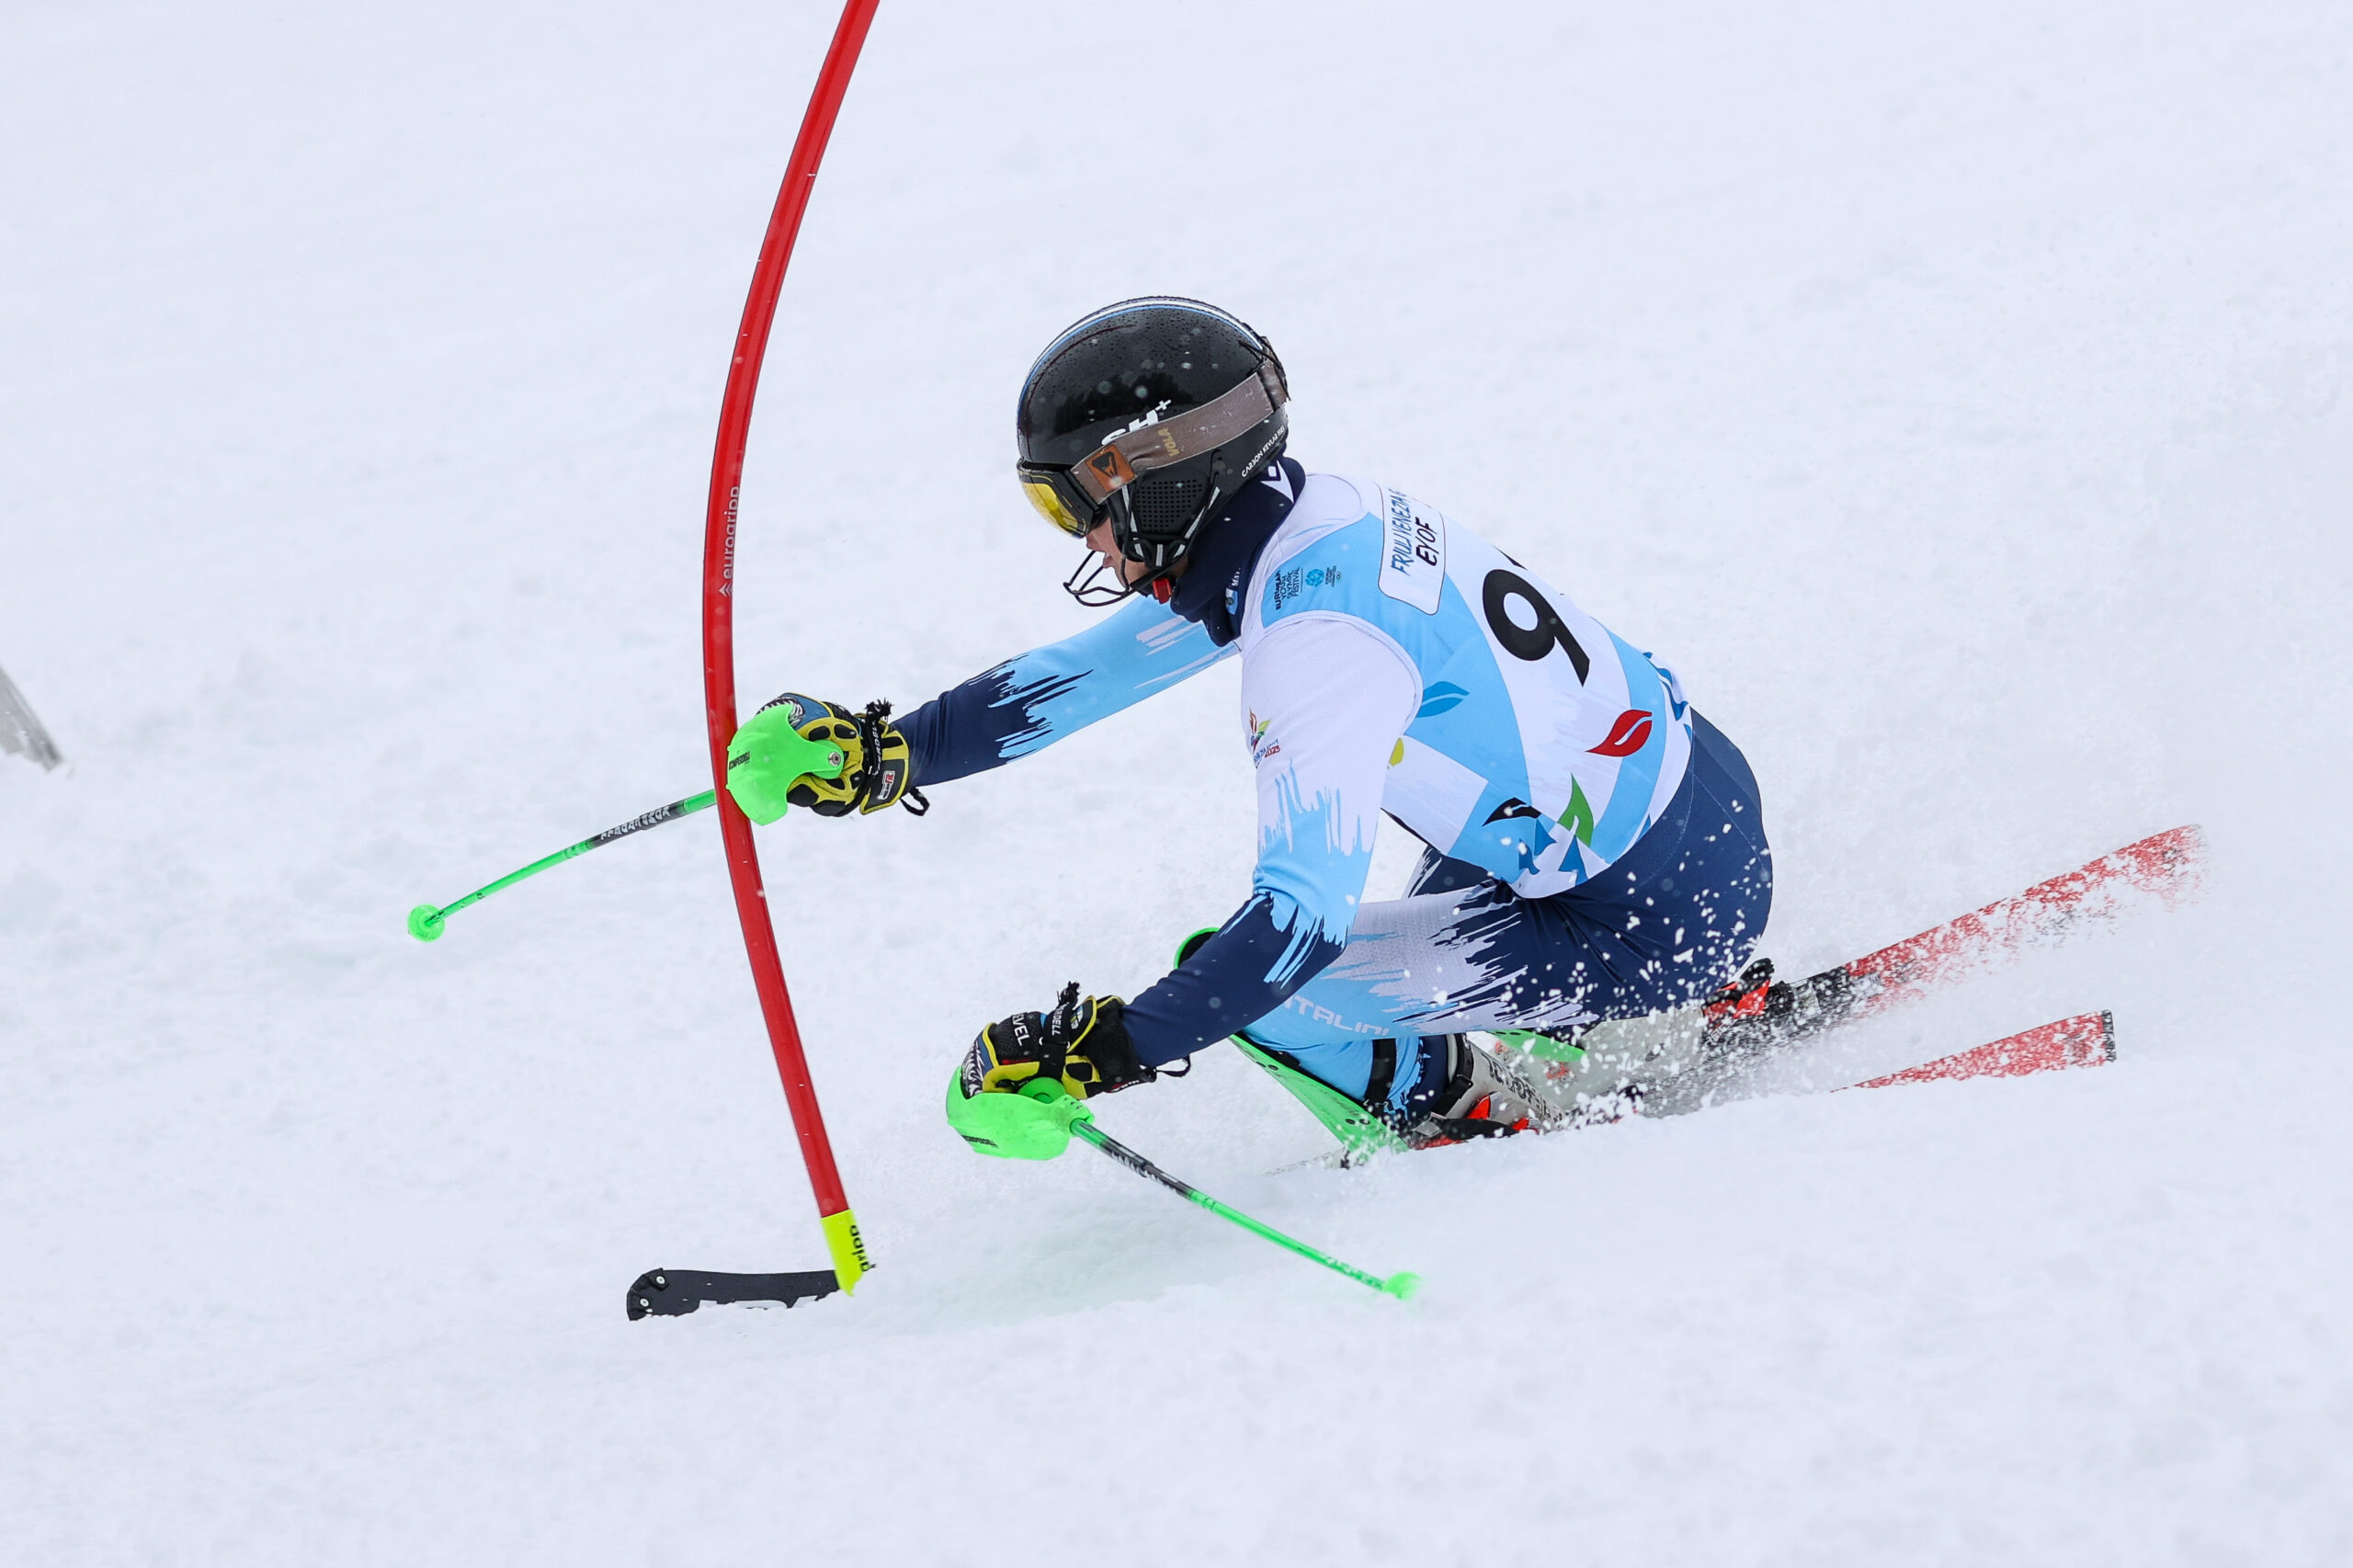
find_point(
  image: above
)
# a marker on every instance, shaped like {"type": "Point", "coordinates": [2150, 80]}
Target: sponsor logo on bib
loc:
{"type": "Point", "coordinates": [1262, 744]}
{"type": "Point", "coordinates": [1627, 736]}
{"type": "Point", "coordinates": [1289, 585]}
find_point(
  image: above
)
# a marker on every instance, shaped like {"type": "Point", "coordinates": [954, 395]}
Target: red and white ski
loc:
{"type": "Point", "coordinates": [1758, 1013]}
{"type": "Point", "coordinates": [2086, 1041]}
{"type": "Point", "coordinates": [1683, 1061]}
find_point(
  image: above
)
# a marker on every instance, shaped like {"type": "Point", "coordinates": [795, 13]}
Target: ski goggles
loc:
{"type": "Point", "coordinates": [1073, 497]}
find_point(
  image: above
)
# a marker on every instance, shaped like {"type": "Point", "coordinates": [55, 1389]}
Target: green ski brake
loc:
{"type": "Point", "coordinates": [1542, 1046]}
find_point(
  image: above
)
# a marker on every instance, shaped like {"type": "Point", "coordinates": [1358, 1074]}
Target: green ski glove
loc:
{"type": "Point", "coordinates": [798, 751]}
{"type": "Point", "coordinates": [1019, 1088]}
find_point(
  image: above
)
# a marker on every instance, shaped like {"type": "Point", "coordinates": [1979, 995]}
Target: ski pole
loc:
{"type": "Point", "coordinates": [1401, 1286]}
{"type": "Point", "coordinates": [424, 920]}
{"type": "Point", "coordinates": [805, 756]}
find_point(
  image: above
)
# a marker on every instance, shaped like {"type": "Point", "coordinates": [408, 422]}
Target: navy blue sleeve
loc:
{"type": "Point", "coordinates": [1246, 970]}
{"type": "Point", "coordinates": [1032, 702]}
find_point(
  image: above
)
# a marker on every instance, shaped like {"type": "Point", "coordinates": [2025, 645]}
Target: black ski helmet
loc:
{"type": "Point", "coordinates": [1153, 412]}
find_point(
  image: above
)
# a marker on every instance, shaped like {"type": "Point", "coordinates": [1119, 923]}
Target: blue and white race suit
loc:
{"type": "Point", "coordinates": [1596, 848]}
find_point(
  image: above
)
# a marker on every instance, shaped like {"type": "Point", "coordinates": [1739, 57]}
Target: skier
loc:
{"type": "Point", "coordinates": [1596, 848]}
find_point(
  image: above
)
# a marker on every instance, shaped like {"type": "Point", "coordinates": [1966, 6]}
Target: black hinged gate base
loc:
{"type": "Point", "coordinates": [674, 1292]}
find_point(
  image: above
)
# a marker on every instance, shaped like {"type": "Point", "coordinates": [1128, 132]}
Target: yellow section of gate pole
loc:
{"type": "Point", "coordinates": [849, 1252]}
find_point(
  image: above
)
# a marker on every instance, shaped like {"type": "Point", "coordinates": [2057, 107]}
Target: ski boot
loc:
{"type": "Point", "coordinates": [1484, 1096]}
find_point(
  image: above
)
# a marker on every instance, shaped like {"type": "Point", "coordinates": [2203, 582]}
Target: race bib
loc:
{"type": "Point", "coordinates": [1412, 555]}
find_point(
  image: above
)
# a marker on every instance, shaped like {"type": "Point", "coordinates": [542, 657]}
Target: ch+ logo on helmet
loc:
{"type": "Point", "coordinates": [1149, 416]}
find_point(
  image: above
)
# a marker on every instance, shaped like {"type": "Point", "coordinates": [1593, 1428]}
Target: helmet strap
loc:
{"type": "Point", "coordinates": [1086, 583]}
{"type": "Point", "coordinates": [1083, 583]}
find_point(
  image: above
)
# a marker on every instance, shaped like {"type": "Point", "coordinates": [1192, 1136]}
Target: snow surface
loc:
{"type": "Point", "coordinates": [1960, 396]}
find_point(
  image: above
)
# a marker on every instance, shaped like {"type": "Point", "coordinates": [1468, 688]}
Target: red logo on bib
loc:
{"type": "Point", "coordinates": [1628, 736]}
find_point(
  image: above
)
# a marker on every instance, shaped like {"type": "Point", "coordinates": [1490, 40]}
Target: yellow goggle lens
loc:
{"type": "Point", "coordinates": [1051, 506]}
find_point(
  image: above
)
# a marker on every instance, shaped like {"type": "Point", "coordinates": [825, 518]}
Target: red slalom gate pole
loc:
{"type": "Point", "coordinates": [718, 637]}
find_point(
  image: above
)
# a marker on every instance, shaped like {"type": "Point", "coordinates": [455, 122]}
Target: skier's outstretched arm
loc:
{"type": "Point", "coordinates": [1029, 702]}
{"type": "Point", "coordinates": [1011, 711]}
